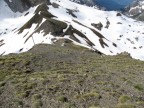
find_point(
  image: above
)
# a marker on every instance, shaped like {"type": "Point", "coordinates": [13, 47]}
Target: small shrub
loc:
{"type": "Point", "coordinates": [22, 95]}
{"type": "Point", "coordinates": [19, 103]}
{"type": "Point", "coordinates": [15, 72]}
{"type": "Point", "coordinates": [123, 99]}
{"type": "Point", "coordinates": [63, 99]}
{"type": "Point", "coordinates": [30, 85]}
{"type": "Point", "coordinates": [139, 87]}
{"type": "Point", "coordinates": [2, 84]}
{"type": "Point", "coordinates": [140, 103]}
{"type": "Point", "coordinates": [36, 96]}
{"type": "Point", "coordinates": [94, 106]}
{"type": "Point", "coordinates": [37, 104]}
{"type": "Point", "coordinates": [1, 90]}
{"type": "Point", "coordinates": [125, 106]}
{"type": "Point", "coordinates": [89, 95]}
{"type": "Point", "coordinates": [36, 101]}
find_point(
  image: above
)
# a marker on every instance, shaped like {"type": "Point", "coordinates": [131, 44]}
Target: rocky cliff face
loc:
{"type": "Point", "coordinates": [136, 10]}
{"type": "Point", "coordinates": [23, 5]}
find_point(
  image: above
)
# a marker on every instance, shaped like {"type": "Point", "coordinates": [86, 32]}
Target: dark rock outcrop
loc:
{"type": "Point", "coordinates": [23, 5]}
{"type": "Point", "coordinates": [118, 14]}
{"type": "Point", "coordinates": [50, 25]}
{"type": "Point", "coordinates": [99, 25]}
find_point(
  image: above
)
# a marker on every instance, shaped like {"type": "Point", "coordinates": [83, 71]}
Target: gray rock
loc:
{"type": "Point", "coordinates": [23, 5]}
{"type": "Point", "coordinates": [99, 25]}
{"type": "Point", "coordinates": [135, 10]}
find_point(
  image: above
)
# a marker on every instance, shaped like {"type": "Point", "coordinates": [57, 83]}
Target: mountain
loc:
{"type": "Point", "coordinates": [58, 54]}
{"type": "Point", "coordinates": [136, 10]}
{"type": "Point", "coordinates": [105, 32]}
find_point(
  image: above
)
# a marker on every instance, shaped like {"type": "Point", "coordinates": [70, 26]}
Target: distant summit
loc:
{"type": "Point", "coordinates": [136, 10]}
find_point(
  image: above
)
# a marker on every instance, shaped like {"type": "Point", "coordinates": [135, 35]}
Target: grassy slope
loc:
{"type": "Point", "coordinates": [70, 77]}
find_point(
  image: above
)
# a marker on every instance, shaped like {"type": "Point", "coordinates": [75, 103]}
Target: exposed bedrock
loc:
{"type": "Point", "coordinates": [23, 5]}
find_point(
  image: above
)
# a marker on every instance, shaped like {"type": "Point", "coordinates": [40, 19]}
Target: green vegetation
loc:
{"type": "Point", "coordinates": [126, 106]}
{"type": "Point", "coordinates": [139, 87]}
{"type": "Point", "coordinates": [124, 99]}
{"type": "Point", "coordinates": [70, 77]}
{"type": "Point", "coordinates": [63, 99]}
{"type": "Point", "coordinates": [88, 95]}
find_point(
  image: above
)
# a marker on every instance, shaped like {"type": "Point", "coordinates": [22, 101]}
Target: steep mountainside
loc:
{"type": "Point", "coordinates": [105, 32]}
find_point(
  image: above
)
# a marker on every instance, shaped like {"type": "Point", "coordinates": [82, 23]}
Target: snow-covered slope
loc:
{"type": "Point", "coordinates": [108, 32]}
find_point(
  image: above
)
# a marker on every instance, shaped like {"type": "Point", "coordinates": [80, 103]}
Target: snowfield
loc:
{"type": "Point", "coordinates": [109, 32]}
